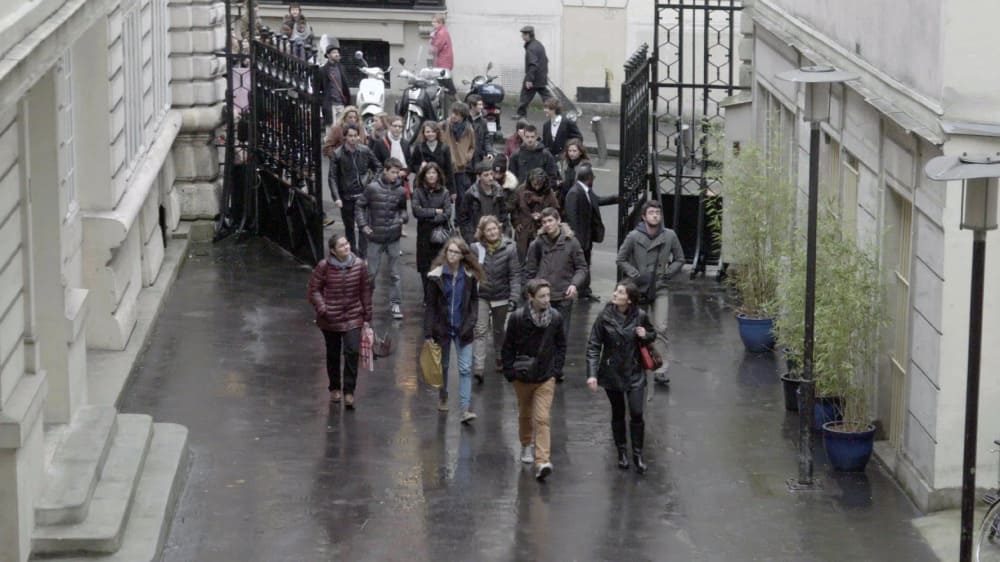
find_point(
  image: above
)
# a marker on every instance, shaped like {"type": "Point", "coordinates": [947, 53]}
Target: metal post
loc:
{"type": "Point", "coordinates": [972, 392]}
{"type": "Point", "coordinates": [807, 397]}
{"type": "Point", "coordinates": [597, 126]}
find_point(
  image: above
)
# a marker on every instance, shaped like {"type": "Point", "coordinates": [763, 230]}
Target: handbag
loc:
{"type": "Point", "coordinates": [381, 346]}
{"type": "Point", "coordinates": [440, 234]}
{"type": "Point", "coordinates": [430, 364]}
{"type": "Point", "coordinates": [651, 359]}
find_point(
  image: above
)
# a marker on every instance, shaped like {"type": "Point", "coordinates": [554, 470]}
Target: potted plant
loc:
{"type": "Point", "coordinates": [849, 315]}
{"type": "Point", "coordinates": [754, 229]}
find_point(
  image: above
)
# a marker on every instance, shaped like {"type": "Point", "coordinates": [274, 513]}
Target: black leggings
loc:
{"type": "Point", "coordinates": [348, 343]}
{"type": "Point", "coordinates": [636, 400]}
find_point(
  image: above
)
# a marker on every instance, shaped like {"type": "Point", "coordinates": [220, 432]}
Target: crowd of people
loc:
{"type": "Point", "coordinates": [503, 246]}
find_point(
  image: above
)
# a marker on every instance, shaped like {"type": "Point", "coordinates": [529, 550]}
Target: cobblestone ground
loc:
{"type": "Point", "coordinates": [279, 473]}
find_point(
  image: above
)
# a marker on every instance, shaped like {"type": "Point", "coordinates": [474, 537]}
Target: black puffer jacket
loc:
{"type": "Point", "coordinates": [383, 208]}
{"type": "Point", "coordinates": [541, 350]}
{"type": "Point", "coordinates": [613, 348]}
{"type": "Point", "coordinates": [536, 64]}
{"type": "Point", "coordinates": [503, 272]}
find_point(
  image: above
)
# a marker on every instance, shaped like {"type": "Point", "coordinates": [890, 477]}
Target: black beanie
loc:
{"type": "Point", "coordinates": [500, 163]}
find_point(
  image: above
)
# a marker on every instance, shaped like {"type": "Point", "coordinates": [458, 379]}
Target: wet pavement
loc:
{"type": "Point", "coordinates": [279, 473]}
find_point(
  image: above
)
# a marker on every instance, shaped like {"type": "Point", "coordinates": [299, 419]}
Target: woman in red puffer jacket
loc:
{"type": "Point", "coordinates": [340, 292]}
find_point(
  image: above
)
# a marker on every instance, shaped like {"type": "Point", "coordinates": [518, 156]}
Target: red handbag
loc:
{"type": "Point", "coordinates": [651, 359]}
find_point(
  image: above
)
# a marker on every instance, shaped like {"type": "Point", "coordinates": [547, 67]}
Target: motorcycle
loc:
{"type": "Point", "coordinates": [423, 99]}
{"type": "Point", "coordinates": [371, 92]}
{"type": "Point", "coordinates": [492, 95]}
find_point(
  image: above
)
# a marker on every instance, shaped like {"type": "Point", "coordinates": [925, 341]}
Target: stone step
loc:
{"type": "Point", "coordinates": [102, 530]}
{"type": "Point", "coordinates": [75, 466]}
{"type": "Point", "coordinates": [155, 498]}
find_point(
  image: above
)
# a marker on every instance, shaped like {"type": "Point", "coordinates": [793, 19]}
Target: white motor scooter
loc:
{"type": "Point", "coordinates": [371, 92]}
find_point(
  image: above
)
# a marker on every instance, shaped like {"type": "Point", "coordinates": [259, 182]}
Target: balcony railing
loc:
{"type": "Point", "coordinates": [378, 4]}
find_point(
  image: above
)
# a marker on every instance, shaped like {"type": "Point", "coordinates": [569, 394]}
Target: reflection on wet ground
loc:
{"type": "Point", "coordinates": [279, 473]}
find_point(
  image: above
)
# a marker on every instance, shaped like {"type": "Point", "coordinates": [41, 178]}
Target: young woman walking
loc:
{"type": "Point", "coordinates": [432, 208]}
{"type": "Point", "coordinates": [574, 155]}
{"type": "Point", "coordinates": [430, 148]}
{"type": "Point", "coordinates": [614, 363]}
{"type": "Point", "coordinates": [499, 292]}
{"type": "Point", "coordinates": [339, 292]}
{"type": "Point", "coordinates": [450, 313]}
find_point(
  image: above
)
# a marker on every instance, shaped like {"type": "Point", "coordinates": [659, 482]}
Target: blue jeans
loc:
{"type": "Point", "coordinates": [464, 358]}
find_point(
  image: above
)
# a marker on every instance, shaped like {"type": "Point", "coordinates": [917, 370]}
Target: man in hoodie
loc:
{"type": "Point", "coordinates": [485, 197]}
{"type": "Point", "coordinates": [381, 214]}
{"type": "Point", "coordinates": [556, 256]}
{"type": "Point", "coordinates": [460, 136]}
{"type": "Point", "coordinates": [532, 155]}
{"type": "Point", "coordinates": [651, 255]}
{"type": "Point", "coordinates": [350, 164]}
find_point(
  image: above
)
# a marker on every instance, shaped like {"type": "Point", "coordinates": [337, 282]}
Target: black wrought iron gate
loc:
{"type": "Point", "coordinates": [634, 180]}
{"type": "Point", "coordinates": [273, 182]}
{"type": "Point", "coordinates": [694, 71]}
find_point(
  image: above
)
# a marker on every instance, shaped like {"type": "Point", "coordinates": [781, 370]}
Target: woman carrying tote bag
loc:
{"type": "Point", "coordinates": [614, 363]}
{"type": "Point", "coordinates": [432, 207]}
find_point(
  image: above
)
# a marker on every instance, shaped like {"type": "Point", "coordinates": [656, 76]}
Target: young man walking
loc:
{"type": "Point", "coordinates": [533, 155]}
{"type": "Point", "coordinates": [583, 215]}
{"type": "Point", "coordinates": [536, 72]}
{"type": "Point", "coordinates": [650, 256]}
{"type": "Point", "coordinates": [485, 197]}
{"type": "Point", "coordinates": [557, 129]}
{"type": "Point", "coordinates": [460, 136]}
{"type": "Point", "coordinates": [556, 256]}
{"type": "Point", "coordinates": [381, 214]}
{"type": "Point", "coordinates": [336, 92]}
{"type": "Point", "coordinates": [484, 139]}
{"type": "Point", "coordinates": [533, 354]}
{"type": "Point", "coordinates": [349, 166]}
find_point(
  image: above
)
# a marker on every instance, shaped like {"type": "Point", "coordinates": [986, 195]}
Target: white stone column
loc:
{"type": "Point", "coordinates": [197, 32]}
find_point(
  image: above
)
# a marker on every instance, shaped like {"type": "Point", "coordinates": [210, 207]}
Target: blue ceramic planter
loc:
{"type": "Point", "coordinates": [848, 451]}
{"type": "Point", "coordinates": [757, 333]}
{"type": "Point", "coordinates": [825, 410]}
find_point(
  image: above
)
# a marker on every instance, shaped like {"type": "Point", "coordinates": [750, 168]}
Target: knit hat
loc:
{"type": "Point", "coordinates": [500, 163]}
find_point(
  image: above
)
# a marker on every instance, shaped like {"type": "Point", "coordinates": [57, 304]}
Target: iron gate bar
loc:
{"type": "Point", "coordinates": [691, 166]}
{"type": "Point", "coordinates": [634, 169]}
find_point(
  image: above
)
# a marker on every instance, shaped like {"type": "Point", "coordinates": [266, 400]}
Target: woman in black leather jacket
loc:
{"type": "Point", "coordinates": [614, 363]}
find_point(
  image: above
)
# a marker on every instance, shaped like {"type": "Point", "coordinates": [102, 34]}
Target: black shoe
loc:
{"type": "Point", "coordinates": [560, 380]}
{"type": "Point", "coordinates": [479, 378]}
{"type": "Point", "coordinates": [517, 117]}
{"type": "Point", "coordinates": [329, 221]}
{"type": "Point", "coordinates": [661, 378]}
{"type": "Point", "coordinates": [622, 458]}
{"type": "Point", "coordinates": [640, 464]}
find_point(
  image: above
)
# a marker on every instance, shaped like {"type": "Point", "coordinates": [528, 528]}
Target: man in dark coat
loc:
{"type": "Point", "coordinates": [536, 71]}
{"type": "Point", "coordinates": [533, 155]}
{"type": "Point", "coordinates": [381, 214]}
{"type": "Point", "coordinates": [650, 256]}
{"type": "Point", "coordinates": [583, 215]}
{"type": "Point", "coordinates": [533, 354]}
{"type": "Point", "coordinates": [485, 197]}
{"type": "Point", "coordinates": [350, 164]}
{"type": "Point", "coordinates": [336, 92]}
{"type": "Point", "coordinates": [557, 129]}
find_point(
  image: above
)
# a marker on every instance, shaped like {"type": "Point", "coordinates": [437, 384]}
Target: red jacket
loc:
{"type": "Point", "coordinates": [441, 44]}
{"type": "Point", "coordinates": [341, 296]}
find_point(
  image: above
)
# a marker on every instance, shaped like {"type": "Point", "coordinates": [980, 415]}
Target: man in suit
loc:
{"type": "Point", "coordinates": [557, 129]}
{"type": "Point", "coordinates": [583, 215]}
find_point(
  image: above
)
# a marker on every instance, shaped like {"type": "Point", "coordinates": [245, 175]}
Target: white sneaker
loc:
{"type": "Point", "coordinates": [544, 470]}
{"type": "Point", "coordinates": [468, 416]}
{"type": "Point", "coordinates": [528, 454]}
{"type": "Point", "coordinates": [397, 312]}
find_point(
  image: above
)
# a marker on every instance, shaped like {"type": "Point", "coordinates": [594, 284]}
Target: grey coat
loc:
{"type": "Point", "coordinates": [560, 261]}
{"type": "Point", "coordinates": [503, 272]}
{"type": "Point", "coordinates": [650, 262]}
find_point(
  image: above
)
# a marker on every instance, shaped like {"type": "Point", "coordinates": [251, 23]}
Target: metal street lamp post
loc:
{"type": "Point", "coordinates": [818, 81]}
{"type": "Point", "coordinates": [979, 175]}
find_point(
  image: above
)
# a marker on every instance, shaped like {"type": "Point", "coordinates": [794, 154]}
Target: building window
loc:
{"type": "Point", "coordinates": [64, 122]}
{"type": "Point", "coordinates": [133, 94]}
{"type": "Point", "coordinates": [897, 262]}
{"type": "Point", "coordinates": [161, 66]}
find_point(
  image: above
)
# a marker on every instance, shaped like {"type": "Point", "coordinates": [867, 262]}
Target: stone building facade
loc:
{"type": "Point", "coordinates": [107, 114]}
{"type": "Point", "coordinates": [922, 92]}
